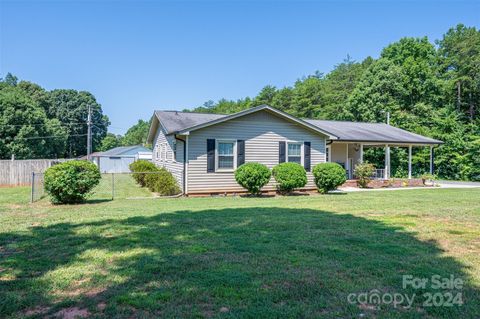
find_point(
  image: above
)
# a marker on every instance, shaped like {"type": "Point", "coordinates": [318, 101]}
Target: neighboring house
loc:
{"type": "Point", "coordinates": [214, 145]}
{"type": "Point", "coordinates": [117, 160]}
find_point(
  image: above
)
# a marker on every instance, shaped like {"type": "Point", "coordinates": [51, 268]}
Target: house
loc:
{"type": "Point", "coordinates": [203, 150]}
{"type": "Point", "coordinates": [118, 159]}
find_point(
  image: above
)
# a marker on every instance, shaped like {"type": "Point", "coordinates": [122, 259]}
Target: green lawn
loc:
{"type": "Point", "coordinates": [298, 256]}
{"type": "Point", "coordinates": [120, 186]}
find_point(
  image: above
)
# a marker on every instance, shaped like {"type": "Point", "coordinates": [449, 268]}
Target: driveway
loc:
{"type": "Point", "coordinates": [457, 184]}
{"type": "Point", "coordinates": [441, 183]}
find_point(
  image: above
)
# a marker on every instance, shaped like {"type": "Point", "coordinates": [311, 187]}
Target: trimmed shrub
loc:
{"type": "Point", "coordinates": [138, 167]}
{"type": "Point", "coordinates": [151, 177]}
{"type": "Point", "coordinates": [162, 182]}
{"type": "Point", "coordinates": [289, 176]}
{"type": "Point", "coordinates": [427, 177]}
{"type": "Point", "coordinates": [363, 173]}
{"type": "Point", "coordinates": [328, 176]}
{"type": "Point", "coordinates": [253, 176]}
{"type": "Point", "coordinates": [71, 182]}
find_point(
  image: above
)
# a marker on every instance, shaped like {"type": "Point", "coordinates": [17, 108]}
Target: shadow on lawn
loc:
{"type": "Point", "coordinates": [239, 262]}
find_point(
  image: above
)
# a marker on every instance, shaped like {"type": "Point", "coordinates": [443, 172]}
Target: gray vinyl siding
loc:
{"type": "Point", "coordinates": [173, 165]}
{"type": "Point", "coordinates": [339, 155]}
{"type": "Point", "coordinates": [261, 131]}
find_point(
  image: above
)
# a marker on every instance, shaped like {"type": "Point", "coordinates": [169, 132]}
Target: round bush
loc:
{"type": "Point", "coordinates": [253, 176]}
{"type": "Point", "coordinates": [139, 167]}
{"type": "Point", "coordinates": [162, 182]}
{"type": "Point", "coordinates": [328, 176]}
{"type": "Point", "coordinates": [71, 182]}
{"type": "Point", "coordinates": [289, 176]}
{"type": "Point", "coordinates": [363, 173]}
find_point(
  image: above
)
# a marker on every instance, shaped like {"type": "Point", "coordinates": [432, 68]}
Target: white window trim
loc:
{"type": "Point", "coordinates": [222, 170]}
{"type": "Point", "coordinates": [163, 151]}
{"type": "Point", "coordinates": [328, 149]}
{"type": "Point", "coordinates": [302, 144]}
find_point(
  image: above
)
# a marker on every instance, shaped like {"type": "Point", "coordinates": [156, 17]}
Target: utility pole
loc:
{"type": "Point", "coordinates": [89, 133]}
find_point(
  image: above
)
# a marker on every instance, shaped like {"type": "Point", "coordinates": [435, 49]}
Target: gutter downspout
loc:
{"type": "Point", "coordinates": [184, 191]}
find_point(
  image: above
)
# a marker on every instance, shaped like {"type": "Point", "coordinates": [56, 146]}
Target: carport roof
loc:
{"type": "Point", "coordinates": [371, 132]}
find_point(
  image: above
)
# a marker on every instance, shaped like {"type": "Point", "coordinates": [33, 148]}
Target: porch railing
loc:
{"type": "Point", "coordinates": [379, 173]}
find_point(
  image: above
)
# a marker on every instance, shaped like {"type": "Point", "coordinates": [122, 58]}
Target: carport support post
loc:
{"type": "Point", "coordinates": [409, 161]}
{"type": "Point", "coordinates": [431, 159]}
{"type": "Point", "coordinates": [387, 162]}
{"type": "Point", "coordinates": [361, 153]}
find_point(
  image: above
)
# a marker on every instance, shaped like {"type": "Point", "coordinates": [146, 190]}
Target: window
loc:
{"type": "Point", "coordinates": [163, 151]}
{"type": "Point", "coordinates": [327, 153]}
{"type": "Point", "coordinates": [174, 146]}
{"type": "Point", "coordinates": [294, 153]}
{"type": "Point", "coordinates": [226, 155]}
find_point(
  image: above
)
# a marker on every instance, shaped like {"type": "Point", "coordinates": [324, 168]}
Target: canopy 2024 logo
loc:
{"type": "Point", "coordinates": [446, 293]}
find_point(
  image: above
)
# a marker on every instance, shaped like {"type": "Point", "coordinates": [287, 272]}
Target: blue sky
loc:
{"type": "Point", "coordinates": [137, 56]}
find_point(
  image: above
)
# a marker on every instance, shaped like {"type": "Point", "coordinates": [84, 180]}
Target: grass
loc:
{"type": "Point", "coordinates": [120, 186]}
{"type": "Point", "coordinates": [237, 257]}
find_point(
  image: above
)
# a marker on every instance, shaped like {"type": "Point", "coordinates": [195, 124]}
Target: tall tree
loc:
{"type": "Point", "coordinates": [459, 54]}
{"type": "Point", "coordinates": [266, 95]}
{"type": "Point", "coordinates": [137, 134]}
{"type": "Point", "coordinates": [340, 83]}
{"type": "Point", "coordinates": [10, 79]}
{"type": "Point", "coordinates": [71, 108]}
{"type": "Point", "coordinates": [380, 90]}
{"type": "Point", "coordinates": [110, 141]}
{"type": "Point", "coordinates": [283, 99]}
{"type": "Point", "coordinates": [416, 58]}
{"type": "Point", "coordinates": [25, 129]}
{"type": "Point", "coordinates": [308, 97]}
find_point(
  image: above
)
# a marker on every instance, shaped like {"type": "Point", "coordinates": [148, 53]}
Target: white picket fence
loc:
{"type": "Point", "coordinates": [19, 172]}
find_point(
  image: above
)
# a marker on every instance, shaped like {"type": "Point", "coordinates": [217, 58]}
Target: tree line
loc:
{"type": "Point", "coordinates": [36, 123]}
{"type": "Point", "coordinates": [429, 88]}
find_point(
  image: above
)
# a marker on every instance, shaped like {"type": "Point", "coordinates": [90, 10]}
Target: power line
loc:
{"type": "Point", "coordinates": [25, 125]}
{"type": "Point", "coordinates": [51, 136]}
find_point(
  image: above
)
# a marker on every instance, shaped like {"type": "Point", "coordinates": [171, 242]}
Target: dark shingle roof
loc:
{"type": "Point", "coordinates": [174, 121]}
{"type": "Point", "coordinates": [371, 132]}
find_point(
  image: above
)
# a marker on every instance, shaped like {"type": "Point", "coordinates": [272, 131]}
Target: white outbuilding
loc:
{"type": "Point", "coordinates": [118, 159]}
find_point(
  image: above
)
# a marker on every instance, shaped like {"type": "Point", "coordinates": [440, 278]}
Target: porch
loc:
{"type": "Point", "coordinates": [350, 154]}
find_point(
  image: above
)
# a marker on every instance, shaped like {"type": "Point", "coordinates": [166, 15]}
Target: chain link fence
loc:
{"type": "Point", "coordinates": [38, 190]}
{"type": "Point", "coordinates": [112, 186]}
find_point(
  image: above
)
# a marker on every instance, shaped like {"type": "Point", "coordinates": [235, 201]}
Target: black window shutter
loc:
{"type": "Point", "coordinates": [281, 152]}
{"type": "Point", "coordinates": [210, 155]}
{"type": "Point", "coordinates": [240, 152]}
{"type": "Point", "coordinates": [306, 156]}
